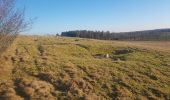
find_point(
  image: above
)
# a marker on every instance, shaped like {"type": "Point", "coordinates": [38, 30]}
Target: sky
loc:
{"type": "Point", "coordinates": [55, 16]}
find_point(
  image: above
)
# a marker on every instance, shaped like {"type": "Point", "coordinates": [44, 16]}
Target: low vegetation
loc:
{"type": "Point", "coordinates": [51, 68]}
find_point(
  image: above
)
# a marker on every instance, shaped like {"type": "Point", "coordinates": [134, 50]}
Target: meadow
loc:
{"type": "Point", "coordinates": [60, 68]}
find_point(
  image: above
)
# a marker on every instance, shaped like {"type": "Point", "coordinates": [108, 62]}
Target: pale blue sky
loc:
{"type": "Point", "coordinates": [55, 16]}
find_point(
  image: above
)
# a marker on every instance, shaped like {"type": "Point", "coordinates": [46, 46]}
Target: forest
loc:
{"type": "Point", "coordinates": [157, 34]}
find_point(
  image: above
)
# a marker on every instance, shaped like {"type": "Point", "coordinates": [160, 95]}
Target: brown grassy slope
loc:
{"type": "Point", "coordinates": [43, 68]}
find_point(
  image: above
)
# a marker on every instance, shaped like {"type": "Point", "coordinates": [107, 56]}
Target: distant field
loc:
{"type": "Point", "coordinates": [154, 45]}
{"type": "Point", "coordinates": [58, 68]}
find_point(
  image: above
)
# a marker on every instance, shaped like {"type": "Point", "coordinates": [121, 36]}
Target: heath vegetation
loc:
{"type": "Point", "coordinates": [41, 68]}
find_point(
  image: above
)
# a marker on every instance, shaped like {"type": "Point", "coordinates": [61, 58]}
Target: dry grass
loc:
{"type": "Point", "coordinates": [153, 45]}
{"type": "Point", "coordinates": [41, 68]}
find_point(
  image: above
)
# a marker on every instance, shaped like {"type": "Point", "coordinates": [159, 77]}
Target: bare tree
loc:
{"type": "Point", "coordinates": [11, 23]}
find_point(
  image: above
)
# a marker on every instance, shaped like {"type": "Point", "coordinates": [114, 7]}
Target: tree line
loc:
{"type": "Point", "coordinates": [158, 34]}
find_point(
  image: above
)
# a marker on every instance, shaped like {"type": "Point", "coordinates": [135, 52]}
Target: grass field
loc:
{"type": "Point", "coordinates": [51, 68]}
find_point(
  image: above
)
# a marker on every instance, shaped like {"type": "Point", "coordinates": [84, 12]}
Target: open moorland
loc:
{"type": "Point", "coordinates": [59, 68]}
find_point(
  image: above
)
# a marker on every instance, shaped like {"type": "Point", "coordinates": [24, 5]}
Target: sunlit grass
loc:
{"type": "Point", "coordinates": [79, 69]}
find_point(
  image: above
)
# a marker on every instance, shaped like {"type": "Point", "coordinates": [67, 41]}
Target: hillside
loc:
{"type": "Point", "coordinates": [59, 68]}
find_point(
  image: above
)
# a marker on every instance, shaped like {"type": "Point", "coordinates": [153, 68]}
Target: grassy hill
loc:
{"type": "Point", "coordinates": [50, 68]}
